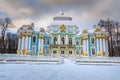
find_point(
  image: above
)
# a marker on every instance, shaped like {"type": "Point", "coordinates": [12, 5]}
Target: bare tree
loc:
{"type": "Point", "coordinates": [5, 23]}
{"type": "Point", "coordinates": [112, 27]}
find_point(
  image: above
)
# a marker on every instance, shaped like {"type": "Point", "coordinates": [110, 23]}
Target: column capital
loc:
{"type": "Point", "coordinates": [20, 36]}
{"type": "Point", "coordinates": [41, 37]}
{"type": "Point", "coordinates": [26, 34]}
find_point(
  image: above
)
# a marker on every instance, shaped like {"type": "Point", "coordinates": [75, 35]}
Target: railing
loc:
{"type": "Point", "coordinates": [62, 45]}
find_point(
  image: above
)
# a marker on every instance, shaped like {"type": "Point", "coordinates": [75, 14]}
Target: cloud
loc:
{"type": "Point", "coordinates": [85, 12]}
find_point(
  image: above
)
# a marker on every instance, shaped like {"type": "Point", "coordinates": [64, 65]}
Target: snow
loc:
{"type": "Point", "coordinates": [63, 22]}
{"type": "Point", "coordinates": [23, 59]}
{"type": "Point", "coordinates": [98, 60]}
{"type": "Point", "coordinates": [66, 71]}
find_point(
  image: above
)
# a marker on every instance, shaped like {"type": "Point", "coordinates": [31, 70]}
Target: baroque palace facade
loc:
{"type": "Point", "coordinates": [62, 38]}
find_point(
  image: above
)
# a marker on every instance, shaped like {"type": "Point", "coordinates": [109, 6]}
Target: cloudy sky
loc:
{"type": "Point", "coordinates": [85, 13]}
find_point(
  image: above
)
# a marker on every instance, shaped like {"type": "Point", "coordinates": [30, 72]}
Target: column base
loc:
{"type": "Point", "coordinates": [22, 52]}
{"type": "Point", "coordinates": [18, 52]}
{"type": "Point", "coordinates": [100, 54]}
{"type": "Point", "coordinates": [104, 54]}
{"type": "Point", "coordinates": [27, 52]}
{"type": "Point", "coordinates": [40, 53]}
{"type": "Point", "coordinates": [85, 54]}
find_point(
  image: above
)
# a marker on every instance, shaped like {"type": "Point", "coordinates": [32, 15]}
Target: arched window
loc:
{"type": "Point", "coordinates": [82, 51]}
{"type": "Point", "coordinates": [77, 52]}
{"type": "Point", "coordinates": [48, 42]}
{"type": "Point", "coordinates": [55, 40]}
{"type": "Point", "coordinates": [77, 43]}
{"type": "Point", "coordinates": [34, 39]}
{"type": "Point", "coordinates": [92, 40]}
{"type": "Point", "coordinates": [70, 40]}
{"type": "Point", "coordinates": [44, 41]}
{"type": "Point", "coordinates": [81, 42]}
{"type": "Point", "coordinates": [70, 52]}
{"type": "Point", "coordinates": [62, 40]}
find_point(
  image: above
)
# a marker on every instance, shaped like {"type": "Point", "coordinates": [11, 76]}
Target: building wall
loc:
{"type": "Point", "coordinates": [85, 45]}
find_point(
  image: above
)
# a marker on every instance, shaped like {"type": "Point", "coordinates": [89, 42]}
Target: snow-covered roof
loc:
{"type": "Point", "coordinates": [62, 22]}
{"type": "Point", "coordinates": [62, 19]}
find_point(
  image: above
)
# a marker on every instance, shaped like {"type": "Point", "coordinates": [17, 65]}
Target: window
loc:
{"type": "Point", "coordinates": [92, 40]}
{"type": "Point", "coordinates": [47, 51]}
{"type": "Point", "coordinates": [70, 40]}
{"type": "Point", "coordinates": [81, 51]}
{"type": "Point", "coordinates": [48, 42]}
{"type": "Point", "coordinates": [77, 43]}
{"type": "Point", "coordinates": [62, 40]}
{"type": "Point", "coordinates": [34, 39]}
{"type": "Point", "coordinates": [62, 52]}
{"type": "Point", "coordinates": [55, 40]}
{"type": "Point", "coordinates": [70, 52]}
{"type": "Point", "coordinates": [81, 42]}
{"type": "Point", "coordinates": [54, 52]}
{"type": "Point", "coordinates": [93, 51]}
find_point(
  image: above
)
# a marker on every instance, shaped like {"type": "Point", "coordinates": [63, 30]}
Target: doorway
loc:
{"type": "Point", "coordinates": [33, 50]}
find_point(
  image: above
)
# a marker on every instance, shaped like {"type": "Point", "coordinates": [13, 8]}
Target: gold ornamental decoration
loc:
{"type": "Point", "coordinates": [63, 27]}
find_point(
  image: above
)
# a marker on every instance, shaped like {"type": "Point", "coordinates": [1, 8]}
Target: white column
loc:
{"type": "Point", "coordinates": [97, 46]}
{"type": "Point", "coordinates": [39, 44]}
{"type": "Point", "coordinates": [87, 46]}
{"type": "Point", "coordinates": [100, 45]}
{"type": "Point", "coordinates": [42, 42]}
{"type": "Point", "coordinates": [19, 44]}
{"type": "Point", "coordinates": [66, 40]}
{"type": "Point", "coordinates": [104, 45]}
{"type": "Point", "coordinates": [26, 42]}
{"type": "Point", "coordinates": [84, 46]}
{"type": "Point", "coordinates": [59, 39]}
{"type": "Point", "coordinates": [51, 39]}
{"type": "Point", "coordinates": [29, 42]}
{"type": "Point", "coordinates": [23, 42]}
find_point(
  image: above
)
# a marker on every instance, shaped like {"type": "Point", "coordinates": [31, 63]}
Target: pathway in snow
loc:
{"type": "Point", "coordinates": [66, 71]}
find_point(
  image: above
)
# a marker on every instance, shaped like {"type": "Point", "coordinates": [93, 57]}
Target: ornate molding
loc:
{"type": "Point", "coordinates": [85, 31]}
{"type": "Point", "coordinates": [41, 37]}
{"type": "Point", "coordinates": [85, 38]}
{"type": "Point", "coordinates": [97, 30]}
{"type": "Point", "coordinates": [63, 27]}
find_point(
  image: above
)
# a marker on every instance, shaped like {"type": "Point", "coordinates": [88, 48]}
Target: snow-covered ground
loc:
{"type": "Point", "coordinates": [66, 71]}
{"type": "Point", "coordinates": [22, 59]}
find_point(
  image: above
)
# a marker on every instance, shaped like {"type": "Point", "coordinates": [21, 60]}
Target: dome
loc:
{"type": "Point", "coordinates": [25, 28]}
{"type": "Point", "coordinates": [30, 28]}
{"type": "Point", "coordinates": [42, 30]}
{"type": "Point", "coordinates": [97, 30]}
{"type": "Point", "coordinates": [84, 31]}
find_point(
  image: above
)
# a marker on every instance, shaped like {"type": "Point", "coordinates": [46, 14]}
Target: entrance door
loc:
{"type": "Point", "coordinates": [33, 51]}
{"type": "Point", "coordinates": [70, 53]}
{"type": "Point", "coordinates": [93, 52]}
{"type": "Point", "coordinates": [62, 53]}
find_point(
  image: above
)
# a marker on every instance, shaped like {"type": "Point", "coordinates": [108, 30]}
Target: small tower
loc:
{"type": "Point", "coordinates": [32, 24]}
